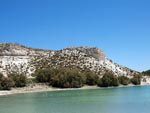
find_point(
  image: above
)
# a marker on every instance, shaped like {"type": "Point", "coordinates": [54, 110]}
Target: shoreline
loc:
{"type": "Point", "coordinates": [37, 88]}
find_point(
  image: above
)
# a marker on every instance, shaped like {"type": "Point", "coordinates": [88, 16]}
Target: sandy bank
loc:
{"type": "Point", "coordinates": [44, 88]}
{"type": "Point", "coordinates": [40, 88]}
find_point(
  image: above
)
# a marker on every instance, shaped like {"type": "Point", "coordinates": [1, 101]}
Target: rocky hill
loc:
{"type": "Point", "coordinates": [18, 58]}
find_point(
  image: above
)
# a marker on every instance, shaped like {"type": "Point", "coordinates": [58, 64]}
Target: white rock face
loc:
{"type": "Point", "coordinates": [21, 59]}
{"type": "Point", "coordinates": [19, 64]}
{"type": "Point", "coordinates": [145, 80]}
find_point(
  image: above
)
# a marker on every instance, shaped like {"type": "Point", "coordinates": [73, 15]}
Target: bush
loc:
{"type": "Point", "coordinates": [67, 78]}
{"type": "Point", "coordinates": [20, 80]}
{"type": "Point", "coordinates": [1, 75]}
{"type": "Point", "coordinates": [124, 80]}
{"type": "Point", "coordinates": [43, 75]}
{"type": "Point", "coordinates": [31, 80]}
{"type": "Point", "coordinates": [6, 83]}
{"type": "Point", "coordinates": [91, 78]}
{"type": "Point", "coordinates": [136, 80]}
{"type": "Point", "coordinates": [108, 80]}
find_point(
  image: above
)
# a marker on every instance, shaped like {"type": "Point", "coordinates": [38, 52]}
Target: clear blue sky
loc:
{"type": "Point", "coordinates": [121, 28]}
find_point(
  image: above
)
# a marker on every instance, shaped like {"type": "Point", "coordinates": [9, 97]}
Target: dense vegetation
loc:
{"type": "Point", "coordinates": [108, 80]}
{"type": "Point", "coordinates": [91, 78]}
{"type": "Point", "coordinates": [136, 80]}
{"type": "Point", "coordinates": [146, 72]}
{"type": "Point", "coordinates": [43, 75]}
{"type": "Point", "coordinates": [74, 78]}
{"type": "Point", "coordinates": [19, 80]}
{"type": "Point", "coordinates": [123, 80]}
{"type": "Point", "coordinates": [13, 80]}
{"type": "Point", "coordinates": [62, 78]}
{"type": "Point", "coordinates": [6, 83]}
{"type": "Point", "coordinates": [66, 78]}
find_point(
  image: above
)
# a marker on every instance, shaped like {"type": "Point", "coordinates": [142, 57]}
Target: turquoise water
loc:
{"type": "Point", "coordinates": [109, 100]}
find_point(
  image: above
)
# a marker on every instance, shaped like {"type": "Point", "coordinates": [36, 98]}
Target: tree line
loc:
{"type": "Point", "coordinates": [74, 78]}
{"type": "Point", "coordinates": [146, 72]}
{"type": "Point", "coordinates": [12, 80]}
{"type": "Point", "coordinates": [67, 78]}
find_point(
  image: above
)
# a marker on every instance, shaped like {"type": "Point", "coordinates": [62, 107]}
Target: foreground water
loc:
{"type": "Point", "coordinates": [108, 100]}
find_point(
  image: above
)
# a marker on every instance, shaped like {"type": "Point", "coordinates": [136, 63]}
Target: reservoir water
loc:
{"type": "Point", "coordinates": [107, 100]}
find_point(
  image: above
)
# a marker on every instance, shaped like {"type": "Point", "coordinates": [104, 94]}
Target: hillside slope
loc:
{"type": "Point", "coordinates": [18, 58]}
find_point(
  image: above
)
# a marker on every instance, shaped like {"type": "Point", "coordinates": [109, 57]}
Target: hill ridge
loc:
{"type": "Point", "coordinates": [23, 59]}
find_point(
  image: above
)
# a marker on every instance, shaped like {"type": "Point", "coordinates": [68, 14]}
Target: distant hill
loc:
{"type": "Point", "coordinates": [22, 59]}
{"type": "Point", "coordinates": [146, 72]}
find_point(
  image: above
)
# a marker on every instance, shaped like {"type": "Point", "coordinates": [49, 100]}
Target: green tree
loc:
{"type": "Point", "coordinates": [1, 76]}
{"type": "Point", "coordinates": [136, 80]}
{"type": "Point", "coordinates": [20, 80]}
{"type": "Point", "coordinates": [124, 80]}
{"type": "Point", "coordinates": [43, 75]}
{"type": "Point", "coordinates": [108, 80]}
{"type": "Point", "coordinates": [6, 83]}
{"type": "Point", "coordinates": [91, 78]}
{"type": "Point", "coordinates": [68, 78]}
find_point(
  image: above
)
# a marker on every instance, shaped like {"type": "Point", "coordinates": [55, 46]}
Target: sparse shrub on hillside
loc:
{"type": "Point", "coordinates": [136, 80]}
{"type": "Point", "coordinates": [20, 80]}
{"type": "Point", "coordinates": [108, 80]}
{"type": "Point", "coordinates": [91, 78]}
{"type": "Point", "coordinates": [124, 80]}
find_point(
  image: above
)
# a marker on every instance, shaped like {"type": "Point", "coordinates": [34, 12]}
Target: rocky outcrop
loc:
{"type": "Point", "coordinates": [93, 52]}
{"type": "Point", "coordinates": [18, 58]}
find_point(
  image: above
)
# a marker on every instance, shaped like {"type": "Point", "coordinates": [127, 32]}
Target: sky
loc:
{"type": "Point", "coordinates": [121, 28]}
